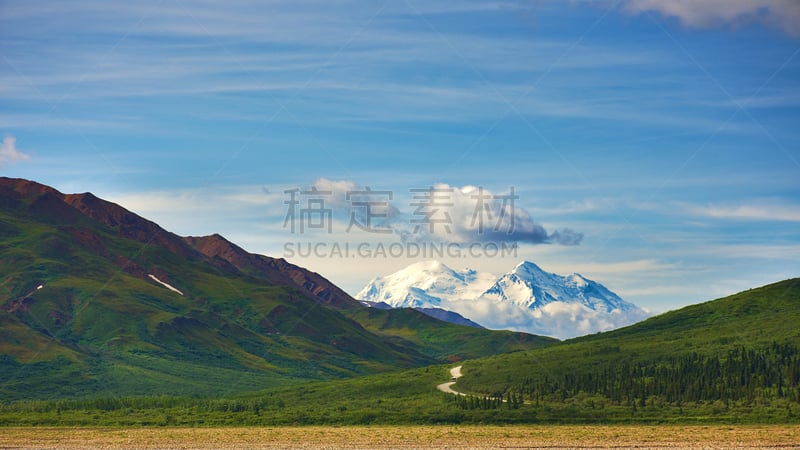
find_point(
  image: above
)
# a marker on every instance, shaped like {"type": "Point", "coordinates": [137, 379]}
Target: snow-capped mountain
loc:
{"type": "Point", "coordinates": [426, 284]}
{"type": "Point", "coordinates": [525, 299]}
{"type": "Point", "coordinates": [531, 287]}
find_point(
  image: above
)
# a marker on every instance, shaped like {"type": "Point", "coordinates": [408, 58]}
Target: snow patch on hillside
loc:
{"type": "Point", "coordinates": [171, 288]}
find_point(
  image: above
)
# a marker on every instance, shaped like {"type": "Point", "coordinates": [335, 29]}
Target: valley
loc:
{"type": "Point", "coordinates": [400, 224]}
{"type": "Point", "coordinates": [110, 320]}
{"type": "Point", "coordinates": [128, 308]}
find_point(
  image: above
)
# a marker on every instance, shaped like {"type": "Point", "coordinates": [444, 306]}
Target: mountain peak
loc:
{"type": "Point", "coordinates": [277, 270]}
{"type": "Point", "coordinates": [425, 284]}
{"type": "Point", "coordinates": [578, 279]}
{"type": "Point", "coordinates": [527, 298]}
{"type": "Point", "coordinates": [129, 224]}
{"type": "Point", "coordinates": [527, 268]}
{"type": "Point", "coordinates": [84, 278]}
{"type": "Point", "coordinates": [530, 286]}
{"type": "Point", "coordinates": [430, 266]}
{"type": "Point", "coordinates": [527, 264]}
{"type": "Point", "coordinates": [24, 187]}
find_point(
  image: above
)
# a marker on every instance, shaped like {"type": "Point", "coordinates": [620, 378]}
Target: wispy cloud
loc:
{"type": "Point", "coordinates": [219, 209]}
{"type": "Point", "coordinates": [201, 52]}
{"type": "Point", "coordinates": [766, 252]}
{"type": "Point", "coordinates": [604, 269]}
{"type": "Point", "coordinates": [611, 132]}
{"type": "Point", "coordinates": [781, 14]}
{"type": "Point", "coordinates": [765, 212]}
{"type": "Point", "coordinates": [9, 153]}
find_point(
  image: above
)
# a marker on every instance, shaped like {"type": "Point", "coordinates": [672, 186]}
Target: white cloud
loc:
{"type": "Point", "coordinates": [475, 214]}
{"type": "Point", "coordinates": [228, 210]}
{"type": "Point", "coordinates": [605, 268]}
{"type": "Point", "coordinates": [579, 207]}
{"type": "Point", "coordinates": [440, 212]}
{"type": "Point", "coordinates": [768, 212]}
{"type": "Point", "coordinates": [558, 319]}
{"type": "Point", "coordinates": [781, 14]}
{"type": "Point", "coordinates": [9, 153]}
{"type": "Point", "coordinates": [362, 206]}
{"type": "Point", "coordinates": [750, 209]}
{"type": "Point", "coordinates": [202, 200]}
{"type": "Point", "coordinates": [338, 190]}
{"type": "Point", "coordinates": [748, 252]}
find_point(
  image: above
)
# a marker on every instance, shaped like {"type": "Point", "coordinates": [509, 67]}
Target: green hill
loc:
{"type": "Point", "coordinates": [740, 347]}
{"type": "Point", "coordinates": [452, 343]}
{"type": "Point", "coordinates": [731, 360]}
{"type": "Point", "coordinates": [141, 326]}
{"type": "Point", "coordinates": [97, 301]}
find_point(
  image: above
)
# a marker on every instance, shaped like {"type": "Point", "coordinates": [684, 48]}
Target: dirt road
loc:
{"type": "Point", "coordinates": [455, 372]}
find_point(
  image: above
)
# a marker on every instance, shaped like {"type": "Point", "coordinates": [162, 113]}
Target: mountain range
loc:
{"type": "Point", "coordinates": [526, 298]}
{"type": "Point", "coordinates": [129, 320]}
{"type": "Point", "coordinates": [95, 300]}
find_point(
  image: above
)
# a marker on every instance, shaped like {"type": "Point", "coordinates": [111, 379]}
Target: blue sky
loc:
{"type": "Point", "coordinates": [664, 135]}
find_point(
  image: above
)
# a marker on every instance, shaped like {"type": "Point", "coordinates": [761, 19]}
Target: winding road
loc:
{"type": "Point", "coordinates": [455, 372]}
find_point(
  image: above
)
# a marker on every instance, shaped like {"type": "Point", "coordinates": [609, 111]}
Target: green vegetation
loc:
{"type": "Point", "coordinates": [406, 397]}
{"type": "Point", "coordinates": [100, 326]}
{"type": "Point", "coordinates": [739, 377]}
{"type": "Point", "coordinates": [450, 342]}
{"type": "Point", "coordinates": [248, 344]}
{"type": "Point", "coordinates": [753, 320]}
{"type": "Point", "coordinates": [742, 375]}
{"type": "Point", "coordinates": [733, 357]}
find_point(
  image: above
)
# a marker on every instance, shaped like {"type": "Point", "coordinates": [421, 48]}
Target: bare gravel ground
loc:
{"type": "Point", "coordinates": [406, 437]}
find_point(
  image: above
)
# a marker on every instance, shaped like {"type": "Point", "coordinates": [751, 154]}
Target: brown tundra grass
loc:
{"type": "Point", "coordinates": [427, 437]}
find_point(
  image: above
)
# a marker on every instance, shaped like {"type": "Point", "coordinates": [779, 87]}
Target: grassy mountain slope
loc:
{"type": "Point", "coordinates": [454, 343]}
{"type": "Point", "coordinates": [80, 313]}
{"type": "Point", "coordinates": [275, 270]}
{"type": "Point", "coordinates": [438, 339]}
{"type": "Point", "coordinates": [119, 332]}
{"type": "Point", "coordinates": [754, 319]}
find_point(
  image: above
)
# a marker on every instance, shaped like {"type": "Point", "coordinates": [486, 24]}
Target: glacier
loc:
{"type": "Point", "coordinates": [527, 298]}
